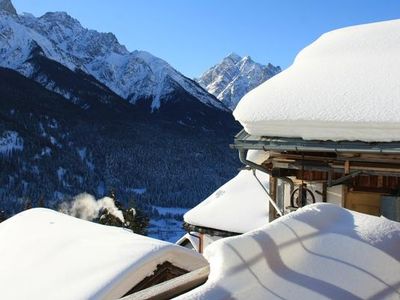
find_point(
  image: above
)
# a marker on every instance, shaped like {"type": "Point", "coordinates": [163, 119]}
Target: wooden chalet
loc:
{"type": "Point", "coordinates": [361, 176]}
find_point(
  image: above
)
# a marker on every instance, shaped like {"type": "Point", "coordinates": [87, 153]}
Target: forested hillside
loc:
{"type": "Point", "coordinates": [52, 149]}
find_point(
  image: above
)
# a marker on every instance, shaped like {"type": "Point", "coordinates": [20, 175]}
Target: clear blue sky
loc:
{"type": "Point", "coordinates": [193, 35]}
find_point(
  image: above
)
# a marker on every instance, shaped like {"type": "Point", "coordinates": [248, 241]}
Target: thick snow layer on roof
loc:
{"type": "Point", "coordinates": [344, 86]}
{"type": "Point", "coordinates": [49, 255]}
{"type": "Point", "coordinates": [240, 205]}
{"type": "Point", "coordinates": [321, 251]}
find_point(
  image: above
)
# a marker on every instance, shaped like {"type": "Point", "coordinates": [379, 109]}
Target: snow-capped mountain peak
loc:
{"type": "Point", "coordinates": [59, 17]}
{"type": "Point", "coordinates": [247, 58]}
{"type": "Point", "coordinates": [6, 5]}
{"type": "Point", "coordinates": [135, 76]}
{"type": "Point", "coordinates": [235, 58]}
{"type": "Point", "coordinates": [235, 76]}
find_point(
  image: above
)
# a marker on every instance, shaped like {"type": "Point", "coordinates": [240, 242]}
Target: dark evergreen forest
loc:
{"type": "Point", "coordinates": [99, 143]}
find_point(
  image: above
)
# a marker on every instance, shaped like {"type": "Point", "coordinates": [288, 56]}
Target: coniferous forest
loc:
{"type": "Point", "coordinates": [52, 149]}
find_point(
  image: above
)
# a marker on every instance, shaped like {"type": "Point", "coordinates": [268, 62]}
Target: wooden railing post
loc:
{"type": "Point", "coordinates": [273, 193]}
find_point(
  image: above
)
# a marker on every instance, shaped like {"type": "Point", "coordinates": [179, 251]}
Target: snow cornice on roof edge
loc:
{"type": "Point", "coordinates": [341, 87]}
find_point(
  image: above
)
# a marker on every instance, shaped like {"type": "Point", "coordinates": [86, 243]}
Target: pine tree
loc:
{"type": "Point", "coordinates": [3, 216]}
{"type": "Point", "coordinates": [134, 218]}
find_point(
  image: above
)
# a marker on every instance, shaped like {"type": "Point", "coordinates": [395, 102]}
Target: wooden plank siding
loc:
{"type": "Point", "coordinates": [363, 202]}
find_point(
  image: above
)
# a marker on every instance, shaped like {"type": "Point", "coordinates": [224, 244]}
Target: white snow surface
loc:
{"type": "Point", "coordinates": [48, 255]}
{"type": "Point", "coordinates": [343, 86]}
{"type": "Point", "coordinates": [319, 252]}
{"type": "Point", "coordinates": [17, 41]}
{"type": "Point", "coordinates": [240, 205]}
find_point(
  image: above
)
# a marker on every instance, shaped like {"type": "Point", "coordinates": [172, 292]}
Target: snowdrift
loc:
{"type": "Point", "coordinates": [48, 255]}
{"type": "Point", "coordinates": [240, 205]}
{"type": "Point", "coordinates": [321, 251]}
{"type": "Point", "coordinates": [344, 86]}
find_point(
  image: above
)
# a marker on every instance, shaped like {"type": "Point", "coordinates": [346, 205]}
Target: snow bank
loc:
{"type": "Point", "coordinates": [240, 205]}
{"type": "Point", "coordinates": [344, 86]}
{"type": "Point", "coordinates": [321, 251]}
{"type": "Point", "coordinates": [48, 255]}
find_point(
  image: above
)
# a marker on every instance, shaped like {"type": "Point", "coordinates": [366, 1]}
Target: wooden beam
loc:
{"type": "Point", "coordinates": [345, 191]}
{"type": "Point", "coordinates": [174, 287]}
{"type": "Point", "coordinates": [273, 184]}
{"type": "Point", "coordinates": [324, 192]}
{"type": "Point", "coordinates": [380, 182]}
{"type": "Point", "coordinates": [201, 242]}
{"type": "Point", "coordinates": [341, 157]}
{"type": "Point", "coordinates": [346, 167]}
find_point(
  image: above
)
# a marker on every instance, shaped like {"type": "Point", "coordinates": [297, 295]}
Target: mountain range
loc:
{"type": "Point", "coordinates": [234, 77]}
{"type": "Point", "coordinates": [135, 76]}
{"type": "Point", "coordinates": [81, 113]}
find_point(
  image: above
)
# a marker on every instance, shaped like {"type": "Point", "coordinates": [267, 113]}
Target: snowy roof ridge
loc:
{"type": "Point", "coordinates": [319, 251]}
{"type": "Point", "coordinates": [346, 79]}
{"type": "Point", "coordinates": [240, 205]}
{"type": "Point", "coordinates": [60, 242]}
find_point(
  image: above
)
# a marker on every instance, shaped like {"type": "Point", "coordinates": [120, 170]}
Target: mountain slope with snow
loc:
{"type": "Point", "coordinates": [135, 76]}
{"type": "Point", "coordinates": [102, 146]}
{"type": "Point", "coordinates": [234, 77]}
{"type": "Point", "coordinates": [79, 112]}
{"type": "Point", "coordinates": [7, 6]}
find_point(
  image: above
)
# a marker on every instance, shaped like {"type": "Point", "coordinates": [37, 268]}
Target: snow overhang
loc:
{"type": "Point", "coordinates": [47, 252]}
{"type": "Point", "coordinates": [342, 87]}
{"type": "Point", "coordinates": [238, 206]}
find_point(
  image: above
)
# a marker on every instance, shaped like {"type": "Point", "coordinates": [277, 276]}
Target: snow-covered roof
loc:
{"type": "Point", "coordinates": [48, 255]}
{"type": "Point", "coordinates": [240, 205]}
{"type": "Point", "coordinates": [344, 86]}
{"type": "Point", "coordinates": [194, 241]}
{"type": "Point", "coordinates": [321, 251]}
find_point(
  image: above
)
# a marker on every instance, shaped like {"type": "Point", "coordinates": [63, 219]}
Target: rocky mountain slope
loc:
{"type": "Point", "coordinates": [135, 76]}
{"type": "Point", "coordinates": [6, 5]}
{"type": "Point", "coordinates": [80, 113]}
{"type": "Point", "coordinates": [235, 76]}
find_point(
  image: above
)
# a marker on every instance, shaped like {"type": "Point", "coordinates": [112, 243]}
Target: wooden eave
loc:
{"type": "Point", "coordinates": [243, 140]}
